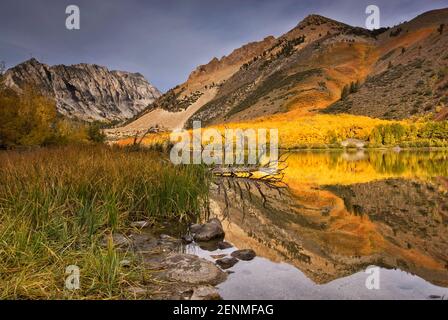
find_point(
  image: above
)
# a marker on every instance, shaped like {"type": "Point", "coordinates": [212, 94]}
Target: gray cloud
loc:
{"type": "Point", "coordinates": [166, 39]}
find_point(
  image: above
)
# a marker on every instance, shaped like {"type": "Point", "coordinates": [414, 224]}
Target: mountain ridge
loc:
{"type": "Point", "coordinates": [305, 71]}
{"type": "Point", "coordinates": [207, 81]}
{"type": "Point", "coordinates": [410, 76]}
{"type": "Point", "coordinates": [87, 92]}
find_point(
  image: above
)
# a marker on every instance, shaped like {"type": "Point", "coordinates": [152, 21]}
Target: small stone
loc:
{"type": "Point", "coordinates": [224, 245]}
{"type": "Point", "coordinates": [205, 293]}
{"type": "Point", "coordinates": [188, 291]}
{"type": "Point", "coordinates": [125, 263]}
{"type": "Point", "coordinates": [245, 255]}
{"type": "Point", "coordinates": [166, 237]}
{"type": "Point", "coordinates": [118, 240]}
{"type": "Point", "coordinates": [187, 238]}
{"type": "Point", "coordinates": [208, 231]}
{"type": "Point", "coordinates": [226, 263]}
{"type": "Point", "coordinates": [195, 228]}
{"type": "Point", "coordinates": [218, 256]}
{"type": "Point", "coordinates": [140, 224]}
{"type": "Point", "coordinates": [137, 291]}
{"type": "Point", "coordinates": [168, 241]}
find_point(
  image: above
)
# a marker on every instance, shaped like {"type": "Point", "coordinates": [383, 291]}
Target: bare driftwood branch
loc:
{"type": "Point", "coordinates": [240, 180]}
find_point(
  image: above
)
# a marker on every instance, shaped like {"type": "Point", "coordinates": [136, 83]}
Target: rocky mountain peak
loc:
{"type": "Point", "coordinates": [31, 64]}
{"type": "Point", "coordinates": [315, 20]}
{"type": "Point", "coordinates": [236, 58]}
{"type": "Point", "coordinates": [86, 91]}
{"type": "Point", "coordinates": [314, 27]}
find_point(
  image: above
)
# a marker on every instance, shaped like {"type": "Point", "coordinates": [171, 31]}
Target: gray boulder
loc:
{"type": "Point", "coordinates": [227, 262]}
{"type": "Point", "coordinates": [187, 238]}
{"type": "Point", "coordinates": [245, 255]}
{"type": "Point", "coordinates": [208, 231]}
{"type": "Point", "coordinates": [224, 245]}
{"type": "Point", "coordinates": [191, 269]}
{"type": "Point", "coordinates": [205, 293]}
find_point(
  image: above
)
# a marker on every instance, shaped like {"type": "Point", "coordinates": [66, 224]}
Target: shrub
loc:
{"type": "Point", "coordinates": [31, 119]}
{"type": "Point", "coordinates": [349, 89]}
{"type": "Point", "coordinates": [27, 119]}
{"type": "Point", "coordinates": [345, 92]}
{"type": "Point", "coordinates": [95, 133]}
{"type": "Point", "coordinates": [434, 131]}
{"type": "Point", "coordinates": [388, 134]}
{"type": "Point", "coordinates": [396, 32]}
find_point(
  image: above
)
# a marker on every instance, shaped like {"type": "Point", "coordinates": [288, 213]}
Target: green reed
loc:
{"type": "Point", "coordinates": [57, 205]}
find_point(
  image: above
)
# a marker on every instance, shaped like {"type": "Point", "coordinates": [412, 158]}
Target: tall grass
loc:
{"type": "Point", "coordinates": [56, 206]}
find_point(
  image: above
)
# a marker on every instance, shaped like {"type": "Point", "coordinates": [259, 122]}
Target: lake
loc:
{"type": "Point", "coordinates": [341, 213]}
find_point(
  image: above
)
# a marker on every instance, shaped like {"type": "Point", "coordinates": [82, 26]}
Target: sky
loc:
{"type": "Point", "coordinates": [167, 39]}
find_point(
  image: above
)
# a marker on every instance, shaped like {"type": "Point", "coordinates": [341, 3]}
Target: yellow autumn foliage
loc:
{"type": "Point", "coordinates": [306, 131]}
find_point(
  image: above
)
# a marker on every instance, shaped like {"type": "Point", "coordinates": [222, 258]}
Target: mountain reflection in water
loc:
{"type": "Point", "coordinates": [346, 211]}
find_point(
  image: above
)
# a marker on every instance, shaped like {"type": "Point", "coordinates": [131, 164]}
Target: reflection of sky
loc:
{"type": "Point", "coordinates": [264, 279]}
{"type": "Point", "coordinates": [166, 39]}
{"type": "Point", "coordinates": [261, 279]}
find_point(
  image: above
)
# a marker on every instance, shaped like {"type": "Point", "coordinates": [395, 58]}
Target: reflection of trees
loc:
{"type": "Point", "coordinates": [335, 158]}
{"type": "Point", "coordinates": [342, 214]}
{"type": "Point", "coordinates": [389, 162]}
{"type": "Point", "coordinates": [425, 162]}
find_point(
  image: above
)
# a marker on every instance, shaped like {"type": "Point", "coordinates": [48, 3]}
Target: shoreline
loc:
{"type": "Point", "coordinates": [338, 149]}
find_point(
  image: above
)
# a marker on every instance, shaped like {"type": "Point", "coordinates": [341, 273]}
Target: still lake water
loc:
{"type": "Point", "coordinates": [342, 212]}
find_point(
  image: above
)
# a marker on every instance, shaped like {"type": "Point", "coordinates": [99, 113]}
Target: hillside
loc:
{"type": "Point", "coordinates": [302, 71]}
{"type": "Point", "coordinates": [393, 74]}
{"type": "Point", "coordinates": [86, 92]}
{"type": "Point", "coordinates": [410, 77]}
{"type": "Point", "coordinates": [175, 107]}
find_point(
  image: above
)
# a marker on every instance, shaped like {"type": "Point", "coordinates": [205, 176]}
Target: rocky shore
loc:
{"type": "Point", "coordinates": [179, 275]}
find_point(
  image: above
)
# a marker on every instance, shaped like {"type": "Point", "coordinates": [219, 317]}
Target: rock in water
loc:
{"type": "Point", "coordinates": [206, 293]}
{"type": "Point", "coordinates": [208, 231]}
{"type": "Point", "coordinates": [224, 245]}
{"type": "Point", "coordinates": [227, 262]}
{"type": "Point", "coordinates": [166, 237]}
{"type": "Point", "coordinates": [187, 239]}
{"type": "Point", "coordinates": [192, 269]}
{"type": "Point", "coordinates": [246, 254]}
{"type": "Point", "coordinates": [218, 256]}
{"type": "Point", "coordinates": [195, 227]}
